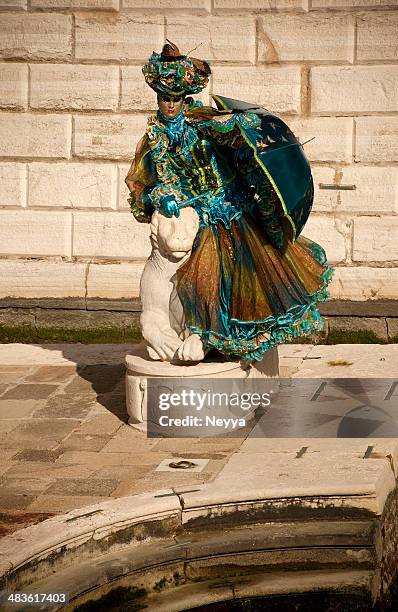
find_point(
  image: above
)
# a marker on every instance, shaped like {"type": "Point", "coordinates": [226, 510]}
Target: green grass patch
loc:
{"type": "Point", "coordinates": [132, 333]}
{"type": "Point", "coordinates": [19, 333]}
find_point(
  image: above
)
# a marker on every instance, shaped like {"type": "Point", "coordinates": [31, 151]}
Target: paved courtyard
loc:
{"type": "Point", "coordinates": [65, 442]}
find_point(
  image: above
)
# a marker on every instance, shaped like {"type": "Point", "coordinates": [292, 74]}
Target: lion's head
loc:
{"type": "Point", "coordinates": [174, 236]}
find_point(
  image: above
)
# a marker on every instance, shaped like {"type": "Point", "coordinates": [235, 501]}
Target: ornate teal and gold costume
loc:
{"type": "Point", "coordinates": [252, 280]}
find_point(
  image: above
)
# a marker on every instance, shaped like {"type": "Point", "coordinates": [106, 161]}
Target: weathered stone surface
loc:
{"type": "Point", "coordinates": [12, 184]}
{"type": "Point", "coordinates": [221, 39]}
{"type": "Point", "coordinates": [357, 308]}
{"type": "Point", "coordinates": [306, 37]}
{"type": "Point", "coordinates": [16, 316]}
{"type": "Point", "coordinates": [106, 459]}
{"type": "Point", "coordinates": [374, 239]}
{"type": "Point", "coordinates": [33, 355]}
{"type": "Point", "coordinates": [96, 5]}
{"type": "Point", "coordinates": [351, 3]}
{"type": "Point", "coordinates": [377, 36]}
{"type": "Point", "coordinates": [349, 325]}
{"type": "Point", "coordinates": [68, 406]}
{"type": "Point", "coordinates": [364, 283]}
{"type": "Point", "coordinates": [34, 135]}
{"type": "Point", "coordinates": [47, 456]}
{"type": "Point", "coordinates": [376, 190]}
{"type": "Point", "coordinates": [392, 328]}
{"type": "Point", "coordinates": [34, 233]}
{"type": "Point", "coordinates": [68, 303]}
{"type": "Point", "coordinates": [48, 469]}
{"type": "Point", "coordinates": [79, 486]}
{"type": "Point", "coordinates": [100, 425]}
{"type": "Point", "coordinates": [90, 442]}
{"type": "Point", "coordinates": [114, 280]}
{"type": "Point", "coordinates": [62, 503]}
{"type": "Point", "coordinates": [50, 429]}
{"type": "Point", "coordinates": [14, 501]}
{"type": "Point", "coordinates": [260, 5]}
{"type": "Point", "coordinates": [376, 139]}
{"type": "Point", "coordinates": [275, 88]}
{"type": "Point", "coordinates": [123, 191]}
{"type": "Point", "coordinates": [167, 4]}
{"type": "Point", "coordinates": [330, 234]}
{"type": "Point", "coordinates": [333, 137]}
{"type": "Point", "coordinates": [113, 235]}
{"type": "Point", "coordinates": [354, 89]}
{"type": "Point", "coordinates": [7, 5]}
{"type": "Point", "coordinates": [108, 136]}
{"type": "Point", "coordinates": [78, 319]}
{"type": "Point", "coordinates": [76, 87]}
{"type": "Point", "coordinates": [45, 36]}
{"type": "Point", "coordinates": [73, 185]}
{"type": "Point", "coordinates": [136, 95]}
{"type": "Point", "coordinates": [14, 86]}
{"type": "Point", "coordinates": [20, 407]}
{"type": "Point", "coordinates": [39, 279]}
{"type": "Point", "coordinates": [127, 304]}
{"type": "Point", "coordinates": [325, 200]}
{"type": "Point", "coordinates": [30, 391]}
{"type": "Point", "coordinates": [59, 374]}
{"type": "Point", "coordinates": [32, 486]}
{"type": "Point", "coordinates": [123, 37]}
{"type": "Point", "coordinates": [8, 376]}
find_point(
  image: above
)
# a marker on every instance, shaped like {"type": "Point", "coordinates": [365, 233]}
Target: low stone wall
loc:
{"type": "Point", "coordinates": [99, 320]}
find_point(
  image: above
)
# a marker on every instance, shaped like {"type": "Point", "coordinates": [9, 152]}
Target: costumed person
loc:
{"type": "Point", "coordinates": [251, 280]}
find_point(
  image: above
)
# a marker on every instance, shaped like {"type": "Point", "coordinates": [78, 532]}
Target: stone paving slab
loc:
{"type": "Point", "coordinates": [65, 442]}
{"type": "Point", "coordinates": [64, 438]}
{"type": "Point", "coordinates": [350, 360]}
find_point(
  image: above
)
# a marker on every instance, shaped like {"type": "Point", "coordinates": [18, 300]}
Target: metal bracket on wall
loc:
{"type": "Point", "coordinates": [328, 186]}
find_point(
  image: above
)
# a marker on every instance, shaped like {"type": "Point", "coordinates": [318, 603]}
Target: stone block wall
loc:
{"type": "Point", "coordinates": [73, 104]}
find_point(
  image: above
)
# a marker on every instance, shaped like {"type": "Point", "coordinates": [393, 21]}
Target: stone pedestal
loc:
{"type": "Point", "coordinates": [140, 368]}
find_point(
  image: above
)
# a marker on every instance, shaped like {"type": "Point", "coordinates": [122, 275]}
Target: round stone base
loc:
{"type": "Point", "coordinates": [140, 368]}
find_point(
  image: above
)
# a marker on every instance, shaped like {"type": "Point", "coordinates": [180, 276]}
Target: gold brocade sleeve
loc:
{"type": "Point", "coordinates": [140, 180]}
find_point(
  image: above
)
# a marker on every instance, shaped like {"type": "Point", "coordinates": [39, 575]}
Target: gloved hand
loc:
{"type": "Point", "coordinates": [276, 238]}
{"type": "Point", "coordinates": [169, 207]}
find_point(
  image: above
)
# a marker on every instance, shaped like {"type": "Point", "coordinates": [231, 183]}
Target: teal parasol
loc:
{"type": "Point", "coordinates": [281, 157]}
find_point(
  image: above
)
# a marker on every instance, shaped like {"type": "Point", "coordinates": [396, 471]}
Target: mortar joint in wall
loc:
{"type": "Point", "coordinates": [86, 272]}
{"type": "Point", "coordinates": [119, 93]}
{"type": "Point", "coordinates": [305, 91]}
{"type": "Point", "coordinates": [29, 84]}
{"type": "Point", "coordinates": [73, 36]}
{"type": "Point", "coordinates": [256, 34]}
{"type": "Point", "coordinates": [354, 51]}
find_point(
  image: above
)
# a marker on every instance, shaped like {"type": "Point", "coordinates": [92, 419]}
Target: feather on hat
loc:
{"type": "Point", "coordinates": [172, 73]}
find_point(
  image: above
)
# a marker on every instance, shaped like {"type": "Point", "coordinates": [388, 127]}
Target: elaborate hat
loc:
{"type": "Point", "coordinates": [174, 74]}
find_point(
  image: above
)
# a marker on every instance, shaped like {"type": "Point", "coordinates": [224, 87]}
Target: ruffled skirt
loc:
{"type": "Point", "coordinates": [243, 296]}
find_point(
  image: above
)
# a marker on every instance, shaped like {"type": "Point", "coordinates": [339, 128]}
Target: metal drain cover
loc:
{"type": "Point", "coordinates": [181, 464]}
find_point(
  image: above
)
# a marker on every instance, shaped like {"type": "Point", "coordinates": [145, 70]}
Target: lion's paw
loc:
{"type": "Point", "coordinates": [191, 349]}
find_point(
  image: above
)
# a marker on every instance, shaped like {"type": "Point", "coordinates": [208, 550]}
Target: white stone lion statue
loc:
{"type": "Point", "coordinates": [162, 318]}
